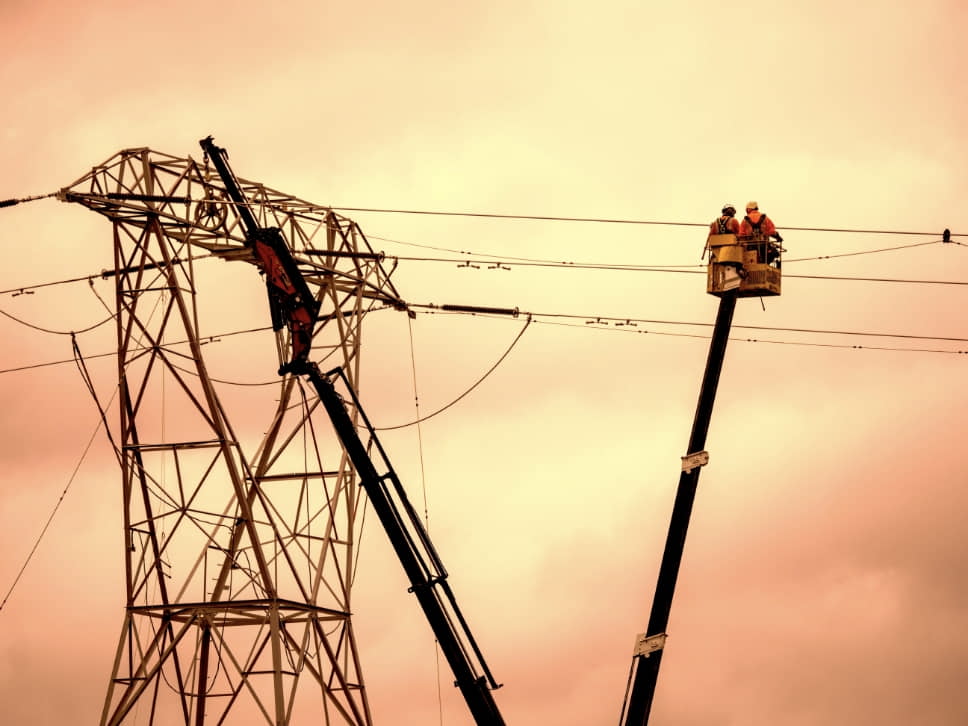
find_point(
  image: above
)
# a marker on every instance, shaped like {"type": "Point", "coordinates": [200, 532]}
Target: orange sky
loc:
{"type": "Point", "coordinates": [822, 580]}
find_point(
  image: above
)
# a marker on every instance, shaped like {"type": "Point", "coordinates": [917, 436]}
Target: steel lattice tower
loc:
{"type": "Point", "coordinates": [238, 564]}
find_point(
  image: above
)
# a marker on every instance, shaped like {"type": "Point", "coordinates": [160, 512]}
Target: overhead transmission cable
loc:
{"type": "Point", "coordinates": [609, 220]}
{"type": "Point", "coordinates": [548, 218]}
{"type": "Point", "coordinates": [514, 259]}
{"type": "Point", "coordinates": [495, 263]}
{"type": "Point", "coordinates": [201, 341]}
{"type": "Point", "coordinates": [629, 323]}
{"type": "Point", "coordinates": [801, 343]}
{"type": "Point", "coordinates": [476, 259]}
{"type": "Point", "coordinates": [787, 260]}
{"type": "Point", "coordinates": [588, 320]}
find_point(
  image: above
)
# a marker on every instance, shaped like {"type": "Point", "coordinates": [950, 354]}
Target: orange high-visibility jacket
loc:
{"type": "Point", "coordinates": [766, 226]}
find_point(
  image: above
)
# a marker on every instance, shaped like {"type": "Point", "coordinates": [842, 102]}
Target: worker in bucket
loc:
{"type": "Point", "coordinates": [756, 229]}
{"type": "Point", "coordinates": [726, 223]}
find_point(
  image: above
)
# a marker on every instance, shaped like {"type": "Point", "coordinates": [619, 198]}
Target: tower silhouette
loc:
{"type": "Point", "coordinates": [240, 548]}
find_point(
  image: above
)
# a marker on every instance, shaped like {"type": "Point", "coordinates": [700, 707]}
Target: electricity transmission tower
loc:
{"type": "Point", "coordinates": [238, 563]}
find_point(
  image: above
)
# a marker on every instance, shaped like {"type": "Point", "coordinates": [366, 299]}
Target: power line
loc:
{"type": "Point", "coordinates": [26, 288]}
{"type": "Point", "coordinates": [500, 263]}
{"type": "Point", "coordinates": [863, 252]}
{"type": "Point", "coordinates": [599, 322]}
{"type": "Point", "coordinates": [552, 218]}
{"type": "Point", "coordinates": [103, 274]}
{"type": "Point", "coordinates": [904, 281]}
{"type": "Point", "coordinates": [477, 259]}
{"type": "Point", "coordinates": [806, 344]}
{"type": "Point", "coordinates": [608, 220]}
{"type": "Point", "coordinates": [533, 259]}
{"type": "Point", "coordinates": [202, 341]}
{"type": "Point", "coordinates": [628, 322]}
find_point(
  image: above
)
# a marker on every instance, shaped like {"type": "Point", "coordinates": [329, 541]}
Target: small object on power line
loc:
{"type": "Point", "coordinates": [23, 291]}
{"type": "Point", "coordinates": [498, 266]}
{"type": "Point", "coordinates": [946, 236]}
{"type": "Point", "coordinates": [9, 202]}
{"type": "Point", "coordinates": [596, 321]}
{"type": "Point", "coordinates": [468, 264]}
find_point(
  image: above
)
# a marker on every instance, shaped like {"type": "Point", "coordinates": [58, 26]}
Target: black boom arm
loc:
{"type": "Point", "coordinates": [293, 304]}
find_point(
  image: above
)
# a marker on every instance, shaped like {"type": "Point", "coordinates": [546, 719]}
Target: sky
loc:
{"type": "Point", "coordinates": [823, 576]}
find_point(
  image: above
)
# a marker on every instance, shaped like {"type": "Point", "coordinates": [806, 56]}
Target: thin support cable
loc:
{"type": "Point", "coordinates": [479, 381]}
{"type": "Point", "coordinates": [50, 519]}
{"type": "Point", "coordinates": [423, 488]}
{"type": "Point", "coordinates": [102, 410]}
{"type": "Point", "coordinates": [102, 421]}
{"type": "Point", "coordinates": [416, 405]}
{"type": "Point", "coordinates": [100, 299]}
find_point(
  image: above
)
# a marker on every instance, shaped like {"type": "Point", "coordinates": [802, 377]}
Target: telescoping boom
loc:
{"type": "Point", "coordinates": [739, 267]}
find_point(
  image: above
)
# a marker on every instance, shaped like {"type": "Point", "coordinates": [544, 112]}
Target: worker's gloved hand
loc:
{"type": "Point", "coordinates": [779, 239]}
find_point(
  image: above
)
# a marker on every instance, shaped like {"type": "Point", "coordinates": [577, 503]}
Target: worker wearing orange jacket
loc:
{"type": "Point", "coordinates": [757, 226]}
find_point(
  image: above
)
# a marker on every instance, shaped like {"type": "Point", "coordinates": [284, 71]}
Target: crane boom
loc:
{"type": "Point", "coordinates": [292, 305]}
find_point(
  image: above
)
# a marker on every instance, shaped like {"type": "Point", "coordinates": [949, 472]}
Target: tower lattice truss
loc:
{"type": "Point", "coordinates": [238, 564]}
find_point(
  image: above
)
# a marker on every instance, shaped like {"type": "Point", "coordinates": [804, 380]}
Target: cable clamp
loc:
{"type": "Point", "coordinates": [694, 461]}
{"type": "Point", "coordinates": [645, 645]}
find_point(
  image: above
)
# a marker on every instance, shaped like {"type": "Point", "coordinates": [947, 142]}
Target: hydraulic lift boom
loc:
{"type": "Point", "coordinates": [293, 305]}
{"type": "Point", "coordinates": [650, 645]}
{"type": "Point", "coordinates": [738, 268]}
